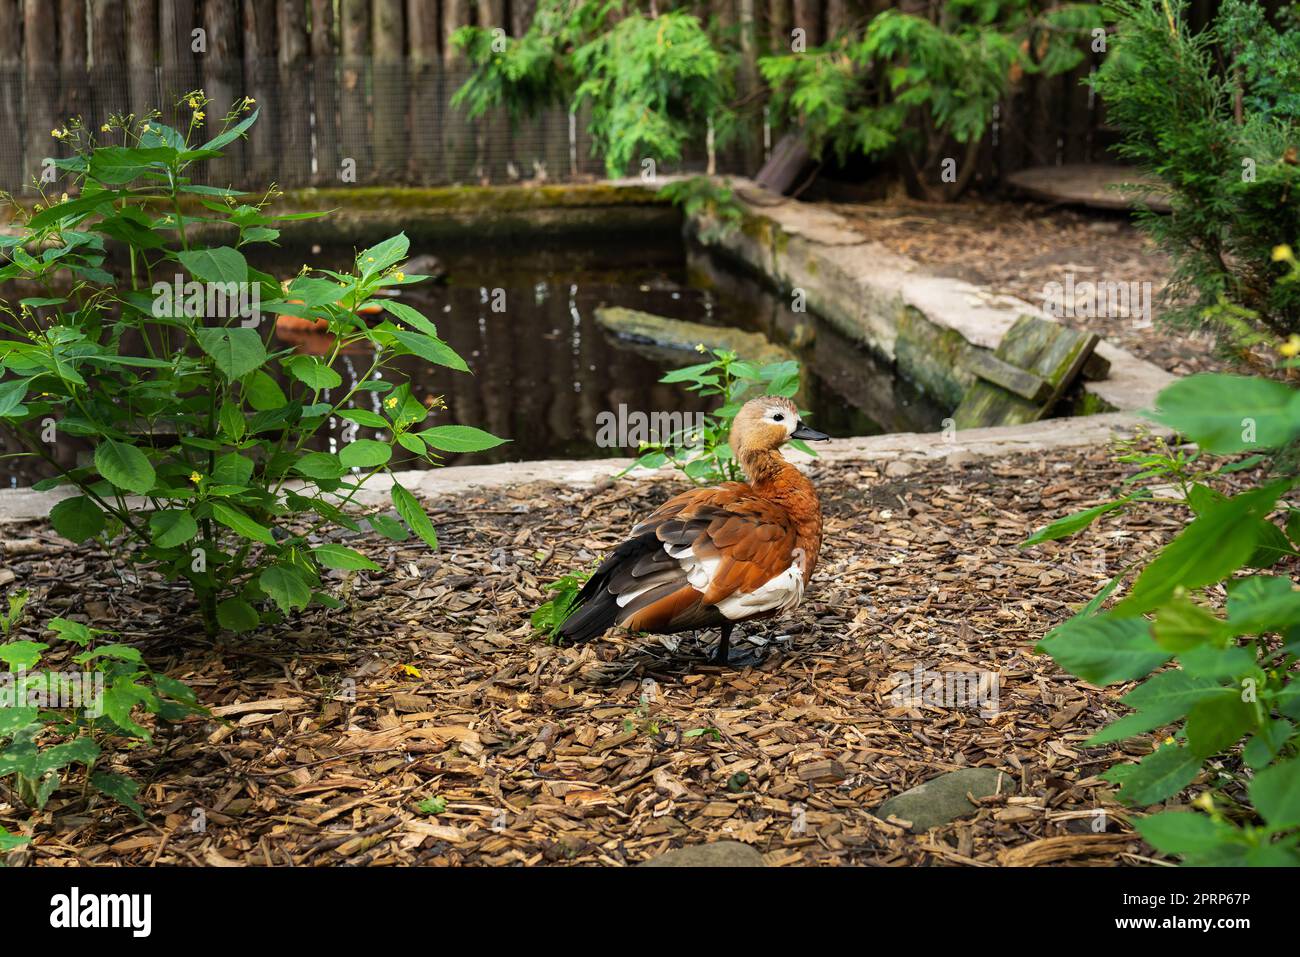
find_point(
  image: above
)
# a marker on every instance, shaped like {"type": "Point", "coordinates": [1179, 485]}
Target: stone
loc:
{"type": "Point", "coordinates": [943, 799]}
{"type": "Point", "coordinates": [898, 469]}
{"type": "Point", "coordinates": [679, 336]}
{"type": "Point", "coordinates": [718, 854]}
{"type": "Point", "coordinates": [959, 458]}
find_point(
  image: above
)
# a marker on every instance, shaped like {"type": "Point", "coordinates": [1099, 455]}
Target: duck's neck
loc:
{"type": "Point", "coordinates": [775, 478]}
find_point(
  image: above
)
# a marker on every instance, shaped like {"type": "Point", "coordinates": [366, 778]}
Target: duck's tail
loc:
{"type": "Point", "coordinates": [595, 610]}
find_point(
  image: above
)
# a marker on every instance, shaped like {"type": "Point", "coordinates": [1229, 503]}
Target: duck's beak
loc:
{"type": "Point", "coordinates": [809, 435]}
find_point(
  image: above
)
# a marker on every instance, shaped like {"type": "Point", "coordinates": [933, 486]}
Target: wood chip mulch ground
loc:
{"type": "Point", "coordinates": [1018, 248]}
{"type": "Point", "coordinates": [427, 724]}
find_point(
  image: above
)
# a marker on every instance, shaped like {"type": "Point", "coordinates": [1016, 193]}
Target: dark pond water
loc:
{"type": "Point", "coordinates": [544, 370]}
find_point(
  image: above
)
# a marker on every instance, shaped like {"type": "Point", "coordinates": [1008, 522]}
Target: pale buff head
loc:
{"type": "Point", "coordinates": [766, 423]}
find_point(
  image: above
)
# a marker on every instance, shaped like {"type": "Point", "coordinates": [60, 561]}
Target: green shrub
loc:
{"type": "Point", "coordinates": [1232, 696]}
{"type": "Point", "coordinates": [652, 83]}
{"type": "Point", "coordinates": [202, 463]}
{"type": "Point", "coordinates": [1222, 143]}
{"type": "Point", "coordinates": [703, 455]}
{"type": "Point", "coordinates": [52, 720]}
{"type": "Point", "coordinates": [913, 85]}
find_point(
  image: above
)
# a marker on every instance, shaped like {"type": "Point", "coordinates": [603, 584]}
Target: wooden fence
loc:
{"type": "Point", "coordinates": [359, 90]}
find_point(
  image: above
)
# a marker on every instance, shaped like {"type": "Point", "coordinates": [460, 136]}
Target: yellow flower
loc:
{"type": "Point", "coordinates": [198, 116]}
{"type": "Point", "coordinates": [1170, 740]}
{"type": "Point", "coordinates": [196, 478]}
{"type": "Point", "coordinates": [1291, 347]}
{"type": "Point", "coordinates": [391, 402]}
{"type": "Point", "coordinates": [700, 347]}
{"type": "Point", "coordinates": [399, 276]}
{"type": "Point", "coordinates": [411, 670]}
{"type": "Point", "coordinates": [105, 128]}
{"type": "Point", "coordinates": [57, 135]}
{"type": "Point", "coordinates": [194, 103]}
{"type": "Point", "coordinates": [1282, 254]}
{"type": "Point", "coordinates": [145, 128]}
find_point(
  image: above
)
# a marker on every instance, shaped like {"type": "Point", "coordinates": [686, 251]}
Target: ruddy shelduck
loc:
{"type": "Point", "coordinates": [716, 556]}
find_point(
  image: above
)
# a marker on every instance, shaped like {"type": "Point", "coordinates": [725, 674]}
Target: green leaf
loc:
{"type": "Point", "coordinates": [9, 841]}
{"type": "Point", "coordinates": [341, 557]}
{"type": "Point", "coordinates": [1064, 527]}
{"type": "Point", "coordinates": [1275, 792]}
{"type": "Point", "coordinates": [365, 453]}
{"type": "Point", "coordinates": [1209, 549]}
{"type": "Point", "coordinates": [379, 257]}
{"type": "Point", "coordinates": [320, 465]}
{"type": "Point", "coordinates": [236, 351]}
{"type": "Point", "coordinates": [364, 417]}
{"type": "Point", "coordinates": [1182, 624]}
{"type": "Point", "coordinates": [286, 587]}
{"type": "Point", "coordinates": [1225, 413]}
{"type": "Point", "coordinates": [220, 264]}
{"type": "Point", "coordinates": [12, 394]}
{"type": "Point", "coordinates": [172, 527]}
{"type": "Point", "coordinates": [430, 349]}
{"type": "Point", "coordinates": [1185, 832]}
{"type": "Point", "coordinates": [313, 373]}
{"type": "Point", "coordinates": [1105, 649]}
{"type": "Point", "coordinates": [232, 469]}
{"type": "Point", "coordinates": [1217, 724]}
{"type": "Point", "coordinates": [77, 519]}
{"type": "Point", "coordinates": [120, 699]}
{"type": "Point", "coordinates": [1159, 775]}
{"type": "Point", "coordinates": [73, 631]}
{"type": "Point", "coordinates": [263, 393]}
{"type": "Point", "coordinates": [120, 788]}
{"type": "Point", "coordinates": [392, 530]}
{"type": "Point", "coordinates": [115, 165]}
{"type": "Point", "coordinates": [1161, 699]}
{"type": "Point", "coordinates": [413, 515]}
{"type": "Point", "coordinates": [237, 615]}
{"type": "Point", "coordinates": [411, 317]}
{"type": "Point", "coordinates": [21, 654]}
{"type": "Point", "coordinates": [460, 438]}
{"type": "Point", "coordinates": [227, 137]}
{"type": "Point", "coordinates": [13, 719]}
{"type": "Point", "coordinates": [125, 466]}
{"type": "Point", "coordinates": [240, 523]}
{"type": "Point", "coordinates": [1262, 603]}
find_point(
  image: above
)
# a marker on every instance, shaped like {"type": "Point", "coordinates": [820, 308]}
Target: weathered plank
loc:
{"type": "Point", "coordinates": [1012, 378]}
{"type": "Point", "coordinates": [1043, 350]}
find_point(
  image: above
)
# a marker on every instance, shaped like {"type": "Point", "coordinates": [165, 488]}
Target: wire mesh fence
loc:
{"type": "Point", "coordinates": [333, 122]}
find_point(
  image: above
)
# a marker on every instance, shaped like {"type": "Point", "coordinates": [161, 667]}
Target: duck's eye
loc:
{"type": "Point", "coordinates": [778, 417]}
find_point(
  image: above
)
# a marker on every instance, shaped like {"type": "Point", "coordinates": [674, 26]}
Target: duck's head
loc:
{"type": "Point", "coordinates": [767, 423]}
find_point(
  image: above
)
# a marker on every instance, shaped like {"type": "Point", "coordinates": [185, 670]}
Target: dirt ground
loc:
{"type": "Point", "coordinates": [1018, 248]}
{"type": "Point", "coordinates": [432, 687]}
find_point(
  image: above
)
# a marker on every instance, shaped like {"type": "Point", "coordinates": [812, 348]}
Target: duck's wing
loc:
{"type": "Point", "coordinates": [704, 557]}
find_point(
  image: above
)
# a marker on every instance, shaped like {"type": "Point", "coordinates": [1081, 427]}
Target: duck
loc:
{"type": "Point", "coordinates": [716, 556]}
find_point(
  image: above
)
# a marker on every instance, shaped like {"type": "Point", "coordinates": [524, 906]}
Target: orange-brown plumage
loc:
{"type": "Point", "coordinates": [716, 556]}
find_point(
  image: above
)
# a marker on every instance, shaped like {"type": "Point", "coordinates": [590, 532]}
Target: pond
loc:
{"type": "Point", "coordinates": [522, 317]}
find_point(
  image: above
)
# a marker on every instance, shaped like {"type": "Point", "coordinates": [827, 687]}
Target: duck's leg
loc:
{"type": "Point", "coordinates": [724, 645]}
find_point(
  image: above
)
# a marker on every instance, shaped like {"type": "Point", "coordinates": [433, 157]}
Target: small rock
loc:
{"type": "Point", "coordinates": [943, 799]}
{"type": "Point", "coordinates": [898, 469]}
{"type": "Point", "coordinates": [718, 854]}
{"type": "Point", "coordinates": [959, 458]}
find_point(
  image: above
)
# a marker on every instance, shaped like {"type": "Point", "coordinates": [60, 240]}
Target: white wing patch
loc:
{"type": "Point", "coordinates": [781, 592]}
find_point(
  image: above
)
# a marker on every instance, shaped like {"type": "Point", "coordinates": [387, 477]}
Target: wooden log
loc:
{"type": "Point", "coordinates": [11, 98]}
{"type": "Point", "coordinates": [223, 79]}
{"type": "Point", "coordinates": [1044, 349]}
{"type": "Point", "coordinates": [354, 127]}
{"type": "Point", "coordinates": [388, 108]}
{"type": "Point", "coordinates": [779, 19]}
{"type": "Point", "coordinates": [178, 60]}
{"type": "Point", "coordinates": [294, 115]}
{"type": "Point", "coordinates": [108, 58]}
{"type": "Point", "coordinates": [74, 54]}
{"type": "Point", "coordinates": [808, 18]}
{"type": "Point", "coordinates": [261, 149]}
{"type": "Point", "coordinates": [1012, 378]}
{"type": "Point", "coordinates": [41, 79]}
{"type": "Point", "coordinates": [458, 146]}
{"type": "Point", "coordinates": [494, 128]}
{"type": "Point", "coordinates": [424, 42]}
{"type": "Point", "coordinates": [325, 91]}
{"type": "Point", "coordinates": [142, 56]}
